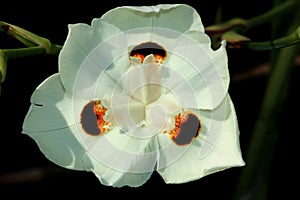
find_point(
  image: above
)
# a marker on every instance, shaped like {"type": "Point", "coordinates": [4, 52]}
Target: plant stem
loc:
{"type": "Point", "coordinates": [23, 52]}
{"type": "Point", "coordinates": [278, 11]}
{"type": "Point", "coordinates": [242, 25]}
{"type": "Point", "coordinates": [286, 41]}
{"type": "Point", "coordinates": [3, 63]}
{"type": "Point", "coordinates": [253, 178]}
{"type": "Point", "coordinates": [28, 51]}
{"type": "Point", "coordinates": [238, 26]}
{"type": "Point", "coordinates": [36, 45]}
{"type": "Point", "coordinates": [28, 38]}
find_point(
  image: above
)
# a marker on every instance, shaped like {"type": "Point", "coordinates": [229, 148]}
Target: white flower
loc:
{"type": "Point", "coordinates": [140, 90]}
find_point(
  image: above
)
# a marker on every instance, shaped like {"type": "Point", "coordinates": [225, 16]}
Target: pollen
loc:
{"type": "Point", "coordinates": [100, 112]}
{"type": "Point", "coordinates": [140, 57]}
{"type": "Point", "coordinates": [158, 58]}
{"type": "Point", "coordinates": [144, 49]}
{"type": "Point", "coordinates": [176, 130]}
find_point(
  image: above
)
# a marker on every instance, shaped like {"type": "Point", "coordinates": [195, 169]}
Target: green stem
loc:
{"type": "Point", "coordinates": [3, 63]}
{"type": "Point", "coordinates": [28, 38]}
{"type": "Point", "coordinates": [263, 138]}
{"type": "Point", "coordinates": [286, 41]}
{"type": "Point", "coordinates": [36, 45]}
{"type": "Point", "coordinates": [278, 11]}
{"type": "Point", "coordinates": [20, 34]}
{"type": "Point", "coordinates": [238, 26]}
{"type": "Point", "coordinates": [6, 54]}
{"type": "Point", "coordinates": [256, 165]}
{"type": "Point", "coordinates": [23, 52]}
{"type": "Point", "coordinates": [242, 25]}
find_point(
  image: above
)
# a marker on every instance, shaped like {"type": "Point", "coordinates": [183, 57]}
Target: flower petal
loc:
{"type": "Point", "coordinates": [60, 146]}
{"type": "Point", "coordinates": [49, 101]}
{"type": "Point", "coordinates": [50, 122]}
{"type": "Point", "coordinates": [152, 23]}
{"type": "Point", "coordinates": [120, 158]}
{"type": "Point", "coordinates": [142, 82]}
{"type": "Point", "coordinates": [112, 177]}
{"type": "Point", "coordinates": [221, 151]}
{"type": "Point", "coordinates": [131, 17]}
{"type": "Point", "coordinates": [198, 73]}
{"type": "Point", "coordinates": [127, 113]}
{"type": "Point", "coordinates": [84, 56]}
{"type": "Point", "coordinates": [67, 145]}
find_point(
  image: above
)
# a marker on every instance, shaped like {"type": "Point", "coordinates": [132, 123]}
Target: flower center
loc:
{"type": "Point", "coordinates": [143, 107]}
{"type": "Point", "coordinates": [161, 116]}
{"type": "Point", "coordinates": [142, 50]}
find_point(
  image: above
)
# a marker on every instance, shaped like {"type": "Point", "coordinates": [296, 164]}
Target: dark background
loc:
{"type": "Point", "coordinates": [19, 153]}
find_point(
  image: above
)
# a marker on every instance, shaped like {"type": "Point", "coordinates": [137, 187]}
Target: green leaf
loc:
{"type": "Point", "coordinates": [220, 28]}
{"type": "Point", "coordinates": [234, 39]}
{"type": "Point", "coordinates": [3, 66]}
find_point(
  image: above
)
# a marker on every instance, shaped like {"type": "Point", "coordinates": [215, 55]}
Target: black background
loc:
{"type": "Point", "coordinates": [50, 19]}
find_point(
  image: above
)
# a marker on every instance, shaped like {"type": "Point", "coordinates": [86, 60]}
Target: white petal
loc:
{"type": "Point", "coordinates": [51, 107]}
{"type": "Point", "coordinates": [221, 149]}
{"type": "Point", "coordinates": [127, 112]}
{"type": "Point", "coordinates": [120, 158]}
{"type": "Point", "coordinates": [60, 146]}
{"type": "Point", "coordinates": [142, 82]}
{"type": "Point", "coordinates": [160, 24]}
{"type": "Point", "coordinates": [178, 17]}
{"type": "Point", "coordinates": [84, 56]}
{"type": "Point", "coordinates": [51, 123]}
{"type": "Point", "coordinates": [198, 75]}
{"type": "Point", "coordinates": [95, 83]}
{"type": "Point", "coordinates": [112, 177]}
{"type": "Point", "coordinates": [132, 152]}
{"type": "Point", "coordinates": [160, 114]}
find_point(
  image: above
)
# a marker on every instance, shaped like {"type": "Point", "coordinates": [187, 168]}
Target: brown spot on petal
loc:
{"type": "Point", "coordinates": [187, 127]}
{"type": "Point", "coordinates": [92, 118]}
{"type": "Point", "coordinates": [144, 49]}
